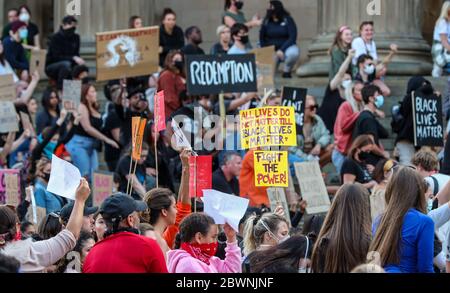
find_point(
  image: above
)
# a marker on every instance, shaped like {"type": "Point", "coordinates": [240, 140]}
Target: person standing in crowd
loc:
{"type": "Point", "coordinates": [88, 138]}
{"type": "Point", "coordinates": [225, 178]}
{"type": "Point", "coordinates": [172, 81]}
{"type": "Point", "coordinates": [111, 127]}
{"type": "Point", "coordinates": [367, 122]}
{"type": "Point", "coordinates": [441, 41]}
{"type": "Point", "coordinates": [194, 38]}
{"type": "Point", "coordinates": [14, 51]}
{"type": "Point", "coordinates": [224, 44]}
{"type": "Point", "coordinates": [13, 15]}
{"type": "Point", "coordinates": [5, 67]}
{"type": "Point", "coordinates": [381, 174]}
{"type": "Point", "coordinates": [315, 142]}
{"type": "Point", "coordinates": [49, 227]}
{"type": "Point", "coordinates": [135, 22]}
{"type": "Point", "coordinates": [233, 14]}
{"type": "Point", "coordinates": [239, 36]}
{"type": "Point", "coordinates": [50, 112]}
{"type": "Point", "coordinates": [31, 40]}
{"type": "Point", "coordinates": [171, 36]}
{"type": "Point", "coordinates": [82, 248]}
{"type": "Point", "coordinates": [123, 250]}
{"type": "Point", "coordinates": [344, 240]}
{"type": "Point", "coordinates": [367, 73]}
{"type": "Point", "coordinates": [99, 227]}
{"type": "Point", "coordinates": [279, 30]}
{"type": "Point", "coordinates": [404, 143]}
{"type": "Point", "coordinates": [88, 216]}
{"type": "Point", "coordinates": [404, 234]}
{"type": "Point", "coordinates": [339, 50]}
{"type": "Point", "coordinates": [63, 52]}
{"type": "Point", "coordinates": [356, 167]}
{"type": "Point", "coordinates": [198, 233]}
{"type": "Point", "coordinates": [34, 257]}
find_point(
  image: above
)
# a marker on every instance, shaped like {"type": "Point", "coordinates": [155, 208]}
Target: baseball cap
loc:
{"type": "Point", "coordinates": [66, 211]}
{"type": "Point", "coordinates": [16, 25]}
{"type": "Point", "coordinates": [138, 91]}
{"type": "Point", "coordinates": [120, 205]}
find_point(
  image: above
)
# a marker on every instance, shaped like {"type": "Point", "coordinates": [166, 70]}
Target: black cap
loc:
{"type": "Point", "coordinates": [69, 19]}
{"type": "Point", "coordinates": [66, 211]}
{"type": "Point", "coordinates": [138, 91]}
{"type": "Point", "coordinates": [120, 205]}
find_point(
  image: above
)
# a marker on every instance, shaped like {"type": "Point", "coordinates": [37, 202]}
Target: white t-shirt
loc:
{"type": "Point", "coordinates": [442, 27]}
{"type": "Point", "coordinates": [441, 179]}
{"type": "Point", "coordinates": [362, 48]}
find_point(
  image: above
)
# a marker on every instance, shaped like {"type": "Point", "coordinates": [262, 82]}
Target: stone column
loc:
{"type": "Point", "coordinates": [400, 22]}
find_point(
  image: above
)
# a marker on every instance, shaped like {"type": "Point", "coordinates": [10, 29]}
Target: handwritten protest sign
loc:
{"type": "Point", "coordinates": [37, 61]}
{"type": "Point", "coordinates": [265, 66]}
{"type": "Point", "coordinates": [268, 126]}
{"type": "Point", "coordinates": [160, 112]}
{"type": "Point", "coordinates": [296, 97]}
{"type": "Point", "coordinates": [224, 208]}
{"type": "Point", "coordinates": [312, 187]}
{"type": "Point", "coordinates": [8, 118]}
{"type": "Point", "coordinates": [428, 120]}
{"type": "Point", "coordinates": [179, 139]}
{"type": "Point", "coordinates": [71, 94]}
{"type": "Point", "coordinates": [64, 178]}
{"type": "Point", "coordinates": [127, 53]}
{"type": "Point", "coordinates": [3, 185]}
{"type": "Point", "coordinates": [7, 88]}
{"type": "Point", "coordinates": [32, 210]}
{"type": "Point", "coordinates": [277, 197]}
{"type": "Point", "coordinates": [138, 129]}
{"type": "Point", "coordinates": [210, 75]}
{"type": "Point", "coordinates": [12, 189]}
{"type": "Point", "coordinates": [200, 175]}
{"type": "Point", "coordinates": [103, 187]}
{"type": "Point", "coordinates": [271, 169]}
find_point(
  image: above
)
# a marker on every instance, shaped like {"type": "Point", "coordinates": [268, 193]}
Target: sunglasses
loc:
{"type": "Point", "coordinates": [313, 108]}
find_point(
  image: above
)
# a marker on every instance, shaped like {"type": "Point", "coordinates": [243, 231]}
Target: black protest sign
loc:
{"type": "Point", "coordinates": [210, 75]}
{"type": "Point", "coordinates": [296, 97]}
{"type": "Point", "coordinates": [428, 120]}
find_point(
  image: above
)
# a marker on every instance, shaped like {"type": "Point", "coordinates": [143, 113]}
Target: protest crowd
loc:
{"type": "Point", "coordinates": [146, 186]}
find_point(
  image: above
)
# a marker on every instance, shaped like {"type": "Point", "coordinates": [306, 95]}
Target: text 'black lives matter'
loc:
{"type": "Point", "coordinates": [428, 120]}
{"type": "Point", "coordinates": [296, 97]}
{"type": "Point", "coordinates": [210, 75]}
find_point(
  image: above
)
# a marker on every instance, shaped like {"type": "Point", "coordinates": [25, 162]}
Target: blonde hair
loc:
{"type": "Point", "coordinates": [356, 106]}
{"type": "Point", "coordinates": [444, 12]}
{"type": "Point", "coordinates": [220, 29]}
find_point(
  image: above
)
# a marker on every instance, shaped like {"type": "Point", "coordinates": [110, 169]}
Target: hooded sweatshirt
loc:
{"type": "Point", "coordinates": [181, 262]}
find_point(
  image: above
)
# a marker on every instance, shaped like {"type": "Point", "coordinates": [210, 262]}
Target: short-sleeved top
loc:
{"type": "Point", "coordinates": [112, 121]}
{"type": "Point", "coordinates": [123, 169]}
{"type": "Point", "coordinates": [368, 124]}
{"type": "Point", "coordinates": [442, 27]}
{"type": "Point", "coordinates": [97, 123]}
{"type": "Point", "coordinates": [239, 17]}
{"type": "Point", "coordinates": [362, 48]}
{"type": "Point", "coordinates": [33, 31]}
{"type": "Point", "coordinates": [359, 170]}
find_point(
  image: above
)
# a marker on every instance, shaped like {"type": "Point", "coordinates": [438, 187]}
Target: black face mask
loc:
{"type": "Point", "coordinates": [179, 65]}
{"type": "Point", "coordinates": [239, 5]}
{"type": "Point", "coordinates": [364, 155]}
{"type": "Point", "coordinates": [46, 177]}
{"type": "Point", "coordinates": [427, 89]}
{"type": "Point", "coordinates": [70, 32]}
{"type": "Point", "coordinates": [245, 40]}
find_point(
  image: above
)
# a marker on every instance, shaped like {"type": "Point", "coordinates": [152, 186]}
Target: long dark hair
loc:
{"type": "Point", "coordinates": [157, 199]}
{"type": "Point", "coordinates": [193, 224]}
{"type": "Point", "coordinates": [84, 92]}
{"type": "Point", "coordinates": [132, 20]}
{"type": "Point", "coordinates": [46, 97]}
{"type": "Point", "coordinates": [360, 142]}
{"type": "Point", "coordinates": [166, 12]}
{"type": "Point", "coordinates": [8, 220]}
{"type": "Point", "coordinates": [278, 11]}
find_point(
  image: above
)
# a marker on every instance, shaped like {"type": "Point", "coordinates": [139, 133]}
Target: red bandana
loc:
{"type": "Point", "coordinates": [202, 252]}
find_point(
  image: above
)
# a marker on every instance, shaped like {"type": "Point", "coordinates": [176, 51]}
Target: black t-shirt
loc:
{"type": "Point", "coordinates": [123, 169]}
{"type": "Point", "coordinates": [368, 124]}
{"type": "Point", "coordinates": [175, 41]}
{"type": "Point", "coordinates": [97, 123]}
{"type": "Point", "coordinates": [33, 31]}
{"type": "Point", "coordinates": [190, 49]}
{"type": "Point", "coordinates": [329, 108]}
{"type": "Point", "coordinates": [358, 169]}
{"type": "Point", "coordinates": [220, 183]}
{"type": "Point", "coordinates": [112, 121]}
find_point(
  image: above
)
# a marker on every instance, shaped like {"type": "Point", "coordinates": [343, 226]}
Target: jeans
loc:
{"type": "Point", "coordinates": [59, 71]}
{"type": "Point", "coordinates": [291, 57]}
{"type": "Point", "coordinates": [406, 151]}
{"type": "Point", "coordinates": [338, 160]}
{"type": "Point", "coordinates": [83, 154]}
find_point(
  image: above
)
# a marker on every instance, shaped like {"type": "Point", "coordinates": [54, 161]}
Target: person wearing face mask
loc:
{"type": "Point", "coordinates": [198, 235]}
{"type": "Point", "coordinates": [194, 38]}
{"type": "Point", "coordinates": [239, 35]}
{"type": "Point", "coordinates": [356, 168]}
{"type": "Point", "coordinates": [30, 39]}
{"type": "Point", "coordinates": [13, 49]}
{"type": "Point", "coordinates": [171, 36]}
{"type": "Point", "coordinates": [367, 122]}
{"type": "Point", "coordinates": [233, 14]}
{"type": "Point", "coordinates": [63, 52]}
{"type": "Point", "coordinates": [368, 73]}
{"type": "Point", "coordinates": [123, 250]}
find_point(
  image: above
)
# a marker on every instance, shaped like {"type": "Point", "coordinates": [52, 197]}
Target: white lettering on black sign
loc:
{"type": "Point", "coordinates": [428, 120]}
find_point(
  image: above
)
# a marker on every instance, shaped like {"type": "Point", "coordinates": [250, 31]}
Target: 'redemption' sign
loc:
{"type": "Point", "coordinates": [211, 75]}
{"type": "Point", "coordinates": [428, 120]}
{"type": "Point", "coordinates": [127, 53]}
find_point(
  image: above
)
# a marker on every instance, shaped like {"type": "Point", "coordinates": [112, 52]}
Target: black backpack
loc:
{"type": "Point", "coordinates": [398, 120]}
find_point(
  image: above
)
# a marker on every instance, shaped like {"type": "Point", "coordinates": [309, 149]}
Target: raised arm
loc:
{"type": "Point", "coordinates": [28, 93]}
{"type": "Point", "coordinates": [337, 80]}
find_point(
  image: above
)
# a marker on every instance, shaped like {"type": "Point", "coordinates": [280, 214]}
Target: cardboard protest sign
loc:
{"type": "Point", "coordinates": [268, 126]}
{"type": "Point", "coordinates": [103, 184]}
{"type": "Point", "coordinates": [6, 197]}
{"type": "Point", "coordinates": [8, 118]}
{"type": "Point", "coordinates": [37, 62]}
{"type": "Point", "coordinates": [200, 175]}
{"type": "Point", "coordinates": [7, 88]}
{"type": "Point", "coordinates": [127, 53]}
{"type": "Point", "coordinates": [225, 208]}
{"type": "Point", "coordinates": [138, 129]}
{"type": "Point", "coordinates": [71, 94]}
{"type": "Point", "coordinates": [271, 169]}
{"type": "Point", "coordinates": [160, 112]}
{"type": "Point", "coordinates": [277, 197]}
{"type": "Point", "coordinates": [296, 97]}
{"type": "Point", "coordinates": [312, 187]}
{"type": "Point", "coordinates": [428, 120]}
{"type": "Point", "coordinates": [64, 178]}
{"type": "Point", "coordinates": [211, 75]}
{"type": "Point", "coordinates": [179, 139]}
{"type": "Point", "coordinates": [265, 66]}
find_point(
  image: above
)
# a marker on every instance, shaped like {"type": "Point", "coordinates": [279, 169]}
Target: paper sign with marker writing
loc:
{"type": "Point", "coordinates": [37, 62]}
{"type": "Point", "coordinates": [160, 112]}
{"type": "Point", "coordinates": [7, 88]}
{"type": "Point", "coordinates": [3, 185]}
{"type": "Point", "coordinates": [200, 175]}
{"type": "Point", "coordinates": [12, 190]}
{"type": "Point", "coordinates": [277, 197]}
{"type": "Point", "coordinates": [8, 118]}
{"type": "Point", "coordinates": [71, 94]}
{"type": "Point", "coordinates": [271, 169]}
{"type": "Point", "coordinates": [64, 178]}
{"type": "Point", "coordinates": [180, 139]}
{"type": "Point", "coordinates": [268, 126]}
{"type": "Point", "coordinates": [103, 187]}
{"type": "Point", "coordinates": [224, 208]}
{"type": "Point", "coordinates": [138, 129]}
{"type": "Point", "coordinates": [265, 64]}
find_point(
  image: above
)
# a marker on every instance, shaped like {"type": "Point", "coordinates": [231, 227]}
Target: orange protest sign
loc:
{"type": "Point", "coordinates": [138, 128]}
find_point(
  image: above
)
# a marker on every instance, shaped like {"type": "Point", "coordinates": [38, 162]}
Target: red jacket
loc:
{"type": "Point", "coordinates": [125, 252]}
{"type": "Point", "coordinates": [343, 128]}
{"type": "Point", "coordinates": [172, 84]}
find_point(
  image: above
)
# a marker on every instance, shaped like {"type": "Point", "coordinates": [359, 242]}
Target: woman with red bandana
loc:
{"type": "Point", "coordinates": [198, 235]}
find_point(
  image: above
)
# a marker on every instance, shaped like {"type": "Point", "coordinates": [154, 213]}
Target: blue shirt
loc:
{"type": "Point", "coordinates": [47, 200]}
{"type": "Point", "coordinates": [234, 50]}
{"type": "Point", "coordinates": [416, 246]}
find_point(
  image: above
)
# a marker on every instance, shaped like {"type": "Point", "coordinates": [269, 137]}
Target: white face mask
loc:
{"type": "Point", "coordinates": [369, 69]}
{"type": "Point", "coordinates": [346, 83]}
{"type": "Point", "coordinates": [274, 236]}
{"type": "Point", "coordinates": [24, 17]}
